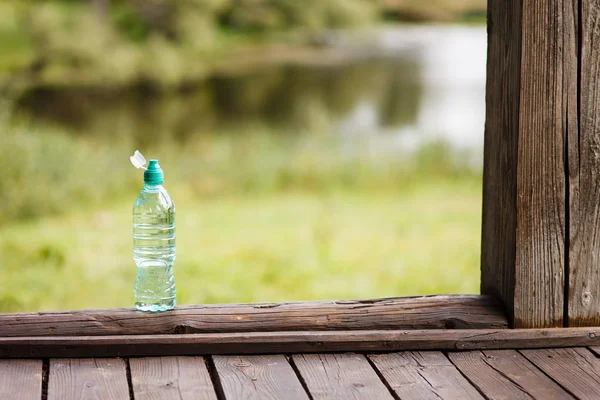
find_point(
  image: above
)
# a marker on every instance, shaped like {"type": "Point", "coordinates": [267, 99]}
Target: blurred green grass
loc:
{"type": "Point", "coordinates": [276, 247]}
{"type": "Point", "coordinates": [262, 216]}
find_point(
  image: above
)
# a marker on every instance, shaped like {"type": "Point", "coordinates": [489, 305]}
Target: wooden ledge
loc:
{"type": "Point", "coordinates": [428, 312]}
{"type": "Point", "coordinates": [295, 342]}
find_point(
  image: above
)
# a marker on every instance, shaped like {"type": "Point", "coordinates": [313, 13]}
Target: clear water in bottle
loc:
{"type": "Point", "coordinates": [154, 246]}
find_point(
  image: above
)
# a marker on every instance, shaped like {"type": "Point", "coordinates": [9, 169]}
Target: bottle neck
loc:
{"type": "Point", "coordinates": [152, 188]}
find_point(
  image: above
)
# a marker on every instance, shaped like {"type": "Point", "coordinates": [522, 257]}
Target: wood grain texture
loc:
{"type": "Point", "coordinates": [423, 375]}
{"type": "Point", "coordinates": [577, 370]}
{"type": "Point", "coordinates": [88, 378]}
{"type": "Point", "coordinates": [584, 178]}
{"type": "Point", "coordinates": [541, 193]}
{"type": "Point", "coordinates": [506, 374]}
{"type": "Point", "coordinates": [428, 312]}
{"type": "Point", "coordinates": [595, 350]}
{"type": "Point", "coordinates": [340, 376]}
{"type": "Point", "coordinates": [499, 220]}
{"type": "Point", "coordinates": [531, 110]}
{"type": "Point", "coordinates": [295, 342]}
{"type": "Point", "coordinates": [165, 378]}
{"type": "Point", "coordinates": [20, 379]}
{"type": "Point", "coordinates": [258, 377]}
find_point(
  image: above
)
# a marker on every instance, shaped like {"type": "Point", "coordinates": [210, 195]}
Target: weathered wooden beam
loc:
{"type": "Point", "coordinates": [531, 111]}
{"type": "Point", "coordinates": [499, 220]}
{"type": "Point", "coordinates": [584, 178]}
{"type": "Point", "coordinates": [294, 342]}
{"type": "Point", "coordinates": [428, 312]}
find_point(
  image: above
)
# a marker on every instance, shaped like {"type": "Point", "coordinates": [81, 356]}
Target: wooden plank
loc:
{"type": "Point", "coordinates": [170, 378]}
{"type": "Point", "coordinates": [340, 376]}
{"type": "Point", "coordinates": [258, 377]}
{"type": "Point", "coordinates": [584, 178]}
{"type": "Point", "coordinates": [506, 374]}
{"type": "Point", "coordinates": [595, 350]}
{"type": "Point", "coordinates": [295, 342]}
{"type": "Point", "coordinates": [88, 378]}
{"type": "Point", "coordinates": [577, 369]}
{"type": "Point", "coordinates": [499, 219]}
{"type": "Point", "coordinates": [423, 375]}
{"type": "Point", "coordinates": [541, 190]}
{"type": "Point", "coordinates": [531, 108]}
{"type": "Point", "coordinates": [20, 379]}
{"type": "Point", "coordinates": [429, 312]}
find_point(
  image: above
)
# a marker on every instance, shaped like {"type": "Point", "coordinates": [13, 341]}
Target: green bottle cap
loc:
{"type": "Point", "coordinates": [153, 174]}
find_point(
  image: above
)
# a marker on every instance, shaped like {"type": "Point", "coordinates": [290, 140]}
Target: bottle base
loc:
{"type": "Point", "coordinates": [160, 307]}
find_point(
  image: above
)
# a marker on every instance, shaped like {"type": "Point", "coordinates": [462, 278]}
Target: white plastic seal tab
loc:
{"type": "Point", "coordinates": [138, 160]}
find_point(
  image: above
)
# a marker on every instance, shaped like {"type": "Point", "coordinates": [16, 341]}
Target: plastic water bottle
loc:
{"type": "Point", "coordinates": [153, 241]}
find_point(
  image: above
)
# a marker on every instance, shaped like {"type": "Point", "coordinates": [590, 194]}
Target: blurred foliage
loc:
{"type": "Point", "coordinates": [435, 10]}
{"type": "Point", "coordinates": [286, 98]}
{"type": "Point", "coordinates": [286, 216]}
{"type": "Point", "coordinates": [47, 172]}
{"type": "Point", "coordinates": [263, 15]}
{"type": "Point", "coordinates": [261, 216]}
{"type": "Point", "coordinates": [165, 43]}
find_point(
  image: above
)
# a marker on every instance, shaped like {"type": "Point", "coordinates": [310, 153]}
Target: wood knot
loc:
{"type": "Point", "coordinates": [450, 324]}
{"type": "Point", "coordinates": [592, 335]}
{"type": "Point", "coordinates": [180, 329]}
{"type": "Point", "coordinates": [586, 298]}
{"type": "Point", "coordinates": [242, 364]}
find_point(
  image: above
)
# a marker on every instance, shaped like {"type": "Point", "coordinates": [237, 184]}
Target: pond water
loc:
{"type": "Point", "coordinates": [398, 86]}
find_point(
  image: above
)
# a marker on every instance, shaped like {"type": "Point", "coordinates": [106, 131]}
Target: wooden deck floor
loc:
{"type": "Point", "coordinates": [564, 373]}
{"type": "Point", "coordinates": [434, 347]}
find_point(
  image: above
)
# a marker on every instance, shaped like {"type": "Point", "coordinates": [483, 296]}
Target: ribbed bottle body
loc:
{"type": "Point", "coordinates": [154, 249]}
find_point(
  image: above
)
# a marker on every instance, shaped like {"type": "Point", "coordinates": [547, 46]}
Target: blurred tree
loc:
{"type": "Point", "coordinates": [263, 15]}
{"type": "Point", "coordinates": [163, 43]}
{"type": "Point", "coordinates": [444, 10]}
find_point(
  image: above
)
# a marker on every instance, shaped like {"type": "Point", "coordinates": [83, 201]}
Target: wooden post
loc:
{"type": "Point", "coordinates": [584, 177]}
{"type": "Point", "coordinates": [534, 209]}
